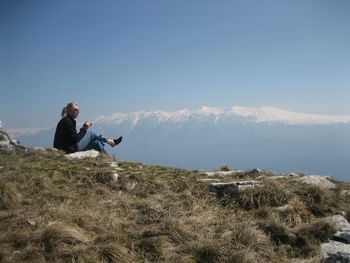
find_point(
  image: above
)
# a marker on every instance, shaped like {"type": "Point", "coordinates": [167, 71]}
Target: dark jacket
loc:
{"type": "Point", "coordinates": [66, 136]}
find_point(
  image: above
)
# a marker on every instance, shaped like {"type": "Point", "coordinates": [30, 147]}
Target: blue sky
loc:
{"type": "Point", "coordinates": [123, 56]}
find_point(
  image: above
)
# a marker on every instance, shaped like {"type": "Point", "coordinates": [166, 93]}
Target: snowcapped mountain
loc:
{"type": "Point", "coordinates": [236, 113]}
{"type": "Point", "coordinates": [265, 114]}
{"type": "Point", "coordinates": [240, 137]}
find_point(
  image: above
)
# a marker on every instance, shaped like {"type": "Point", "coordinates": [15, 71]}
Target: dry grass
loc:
{"type": "Point", "coordinates": [9, 196]}
{"type": "Point", "coordinates": [55, 210]}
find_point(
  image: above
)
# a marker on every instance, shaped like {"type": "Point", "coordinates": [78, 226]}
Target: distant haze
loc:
{"type": "Point", "coordinates": [240, 137]}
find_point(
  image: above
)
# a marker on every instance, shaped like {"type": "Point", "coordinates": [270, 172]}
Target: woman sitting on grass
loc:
{"type": "Point", "coordinates": [68, 139]}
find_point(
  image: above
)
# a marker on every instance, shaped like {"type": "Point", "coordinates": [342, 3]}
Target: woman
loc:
{"type": "Point", "coordinates": [68, 139]}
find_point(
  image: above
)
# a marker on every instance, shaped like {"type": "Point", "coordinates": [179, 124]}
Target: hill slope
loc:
{"type": "Point", "coordinates": [207, 138]}
{"type": "Point", "coordinates": [59, 210]}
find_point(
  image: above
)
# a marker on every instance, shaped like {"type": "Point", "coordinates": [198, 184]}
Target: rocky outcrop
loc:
{"type": "Point", "coordinates": [284, 176]}
{"type": "Point", "coordinates": [317, 180]}
{"type": "Point", "coordinates": [108, 177]}
{"type": "Point", "coordinates": [338, 249]}
{"type": "Point", "coordinates": [223, 173]}
{"type": "Point", "coordinates": [342, 226]}
{"type": "Point", "coordinates": [336, 252]}
{"type": "Point", "coordinates": [82, 155]}
{"type": "Point", "coordinates": [232, 187]}
{"type": "Point", "coordinates": [6, 143]}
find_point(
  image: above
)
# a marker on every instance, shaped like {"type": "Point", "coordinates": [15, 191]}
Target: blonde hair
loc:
{"type": "Point", "coordinates": [67, 107]}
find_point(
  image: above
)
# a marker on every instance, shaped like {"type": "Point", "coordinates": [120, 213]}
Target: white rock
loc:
{"type": "Point", "coordinates": [38, 148]}
{"type": "Point", "coordinates": [115, 178]}
{"type": "Point", "coordinates": [343, 227]}
{"type": "Point", "coordinates": [5, 142]}
{"type": "Point", "coordinates": [284, 208]}
{"type": "Point", "coordinates": [231, 187]}
{"type": "Point", "coordinates": [284, 176]}
{"type": "Point", "coordinates": [81, 155]}
{"type": "Point", "coordinates": [336, 252]}
{"type": "Point", "coordinates": [223, 173]}
{"type": "Point", "coordinates": [5, 146]}
{"type": "Point", "coordinates": [208, 180]}
{"type": "Point", "coordinates": [256, 170]}
{"type": "Point", "coordinates": [293, 175]}
{"type": "Point", "coordinates": [115, 166]}
{"type": "Point", "coordinates": [345, 192]}
{"type": "Point", "coordinates": [317, 180]}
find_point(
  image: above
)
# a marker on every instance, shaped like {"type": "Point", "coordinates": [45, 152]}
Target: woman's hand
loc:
{"type": "Point", "coordinates": [87, 124]}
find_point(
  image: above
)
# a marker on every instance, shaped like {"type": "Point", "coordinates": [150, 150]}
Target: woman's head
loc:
{"type": "Point", "coordinates": [72, 110]}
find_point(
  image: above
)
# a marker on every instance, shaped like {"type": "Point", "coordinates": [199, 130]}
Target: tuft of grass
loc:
{"type": "Point", "coordinates": [278, 231]}
{"type": "Point", "coordinates": [115, 253]}
{"type": "Point", "coordinates": [319, 230]}
{"type": "Point", "coordinates": [150, 248]}
{"type": "Point", "coordinates": [9, 196]}
{"type": "Point", "coordinates": [297, 214]}
{"type": "Point", "coordinates": [319, 202]}
{"type": "Point", "coordinates": [205, 253]}
{"type": "Point", "coordinates": [269, 195]}
{"type": "Point", "coordinates": [57, 233]}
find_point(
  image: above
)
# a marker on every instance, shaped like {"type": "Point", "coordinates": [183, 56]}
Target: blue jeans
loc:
{"type": "Point", "coordinates": [91, 141]}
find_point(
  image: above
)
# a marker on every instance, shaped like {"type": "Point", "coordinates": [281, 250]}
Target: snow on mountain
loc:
{"type": "Point", "coordinates": [258, 115]}
{"type": "Point", "coordinates": [27, 131]}
{"type": "Point", "coordinates": [246, 114]}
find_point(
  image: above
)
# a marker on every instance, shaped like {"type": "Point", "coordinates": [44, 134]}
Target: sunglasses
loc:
{"type": "Point", "coordinates": [75, 110]}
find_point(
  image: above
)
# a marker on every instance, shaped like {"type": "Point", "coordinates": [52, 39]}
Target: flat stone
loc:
{"type": "Point", "coordinates": [82, 155]}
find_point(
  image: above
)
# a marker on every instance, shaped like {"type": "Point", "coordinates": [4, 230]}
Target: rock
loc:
{"type": "Point", "coordinates": [223, 173]}
{"type": "Point", "coordinates": [284, 176]}
{"type": "Point", "coordinates": [223, 188]}
{"type": "Point", "coordinates": [82, 155]}
{"type": "Point", "coordinates": [283, 209]}
{"type": "Point", "coordinates": [255, 171]}
{"type": "Point", "coordinates": [115, 178]}
{"type": "Point", "coordinates": [107, 177]}
{"type": "Point", "coordinates": [293, 175]}
{"type": "Point", "coordinates": [340, 213]}
{"type": "Point", "coordinates": [6, 143]}
{"type": "Point", "coordinates": [208, 180]}
{"type": "Point", "coordinates": [342, 226]}
{"type": "Point", "coordinates": [4, 146]}
{"type": "Point", "coordinates": [317, 180]}
{"type": "Point", "coordinates": [345, 192]}
{"type": "Point", "coordinates": [336, 252]}
{"type": "Point", "coordinates": [115, 166]}
{"type": "Point", "coordinates": [232, 187]}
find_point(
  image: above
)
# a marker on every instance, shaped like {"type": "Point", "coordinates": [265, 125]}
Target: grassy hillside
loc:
{"type": "Point", "coordinates": [58, 210]}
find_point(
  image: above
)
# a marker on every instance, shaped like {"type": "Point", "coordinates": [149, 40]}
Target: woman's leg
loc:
{"type": "Point", "coordinates": [92, 141]}
{"type": "Point", "coordinates": [96, 145]}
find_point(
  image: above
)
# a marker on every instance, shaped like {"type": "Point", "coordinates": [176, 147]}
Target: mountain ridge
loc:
{"type": "Point", "coordinates": [248, 114]}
